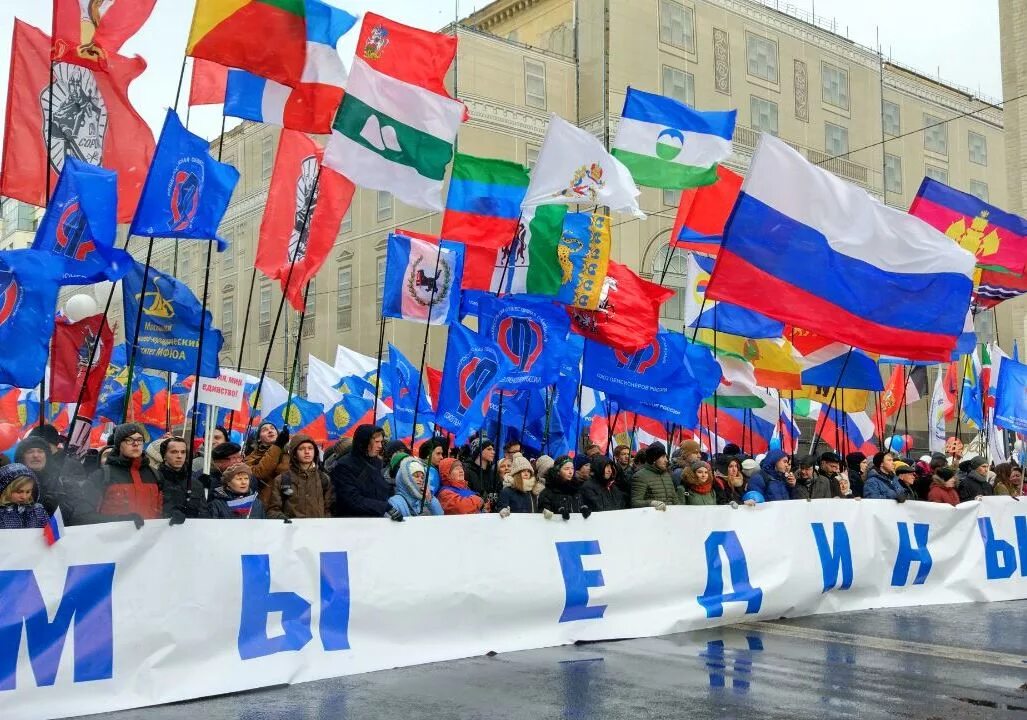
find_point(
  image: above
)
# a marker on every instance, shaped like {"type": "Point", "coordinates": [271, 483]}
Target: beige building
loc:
{"type": "Point", "coordinates": [18, 223]}
{"type": "Point", "coordinates": [840, 104]}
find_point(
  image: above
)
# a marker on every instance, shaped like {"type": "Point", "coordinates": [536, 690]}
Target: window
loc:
{"type": "Point", "coordinates": [892, 173]}
{"type": "Point", "coordinates": [836, 85]}
{"type": "Point", "coordinates": [531, 156]}
{"type": "Point", "coordinates": [936, 173]}
{"type": "Point", "coordinates": [227, 314]}
{"type": "Point", "coordinates": [228, 256]}
{"type": "Point", "coordinates": [344, 299]}
{"type": "Point", "coordinates": [978, 148]}
{"type": "Point", "coordinates": [267, 155]}
{"type": "Point", "coordinates": [979, 189]}
{"type": "Point", "coordinates": [892, 118]}
{"type": "Point", "coordinates": [184, 262]}
{"type": "Point", "coordinates": [677, 25]}
{"type": "Point", "coordinates": [764, 115]}
{"type": "Point", "coordinates": [534, 84]}
{"type": "Point", "coordinates": [384, 206]}
{"type": "Point", "coordinates": [310, 314]}
{"type": "Point", "coordinates": [836, 140]}
{"type": "Point", "coordinates": [675, 278]}
{"type": "Point", "coordinates": [380, 282]}
{"type": "Point", "coordinates": [347, 221]}
{"type": "Point", "coordinates": [264, 305]}
{"type": "Point", "coordinates": [936, 135]}
{"type": "Point", "coordinates": [761, 57]}
{"type": "Point", "coordinates": [671, 198]}
{"type": "Point", "coordinates": [679, 85]}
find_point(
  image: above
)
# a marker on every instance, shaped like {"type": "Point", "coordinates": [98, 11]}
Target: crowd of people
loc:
{"type": "Point", "coordinates": [279, 476]}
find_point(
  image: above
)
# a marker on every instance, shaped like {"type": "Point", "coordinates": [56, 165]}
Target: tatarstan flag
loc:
{"type": "Point", "coordinates": [265, 37]}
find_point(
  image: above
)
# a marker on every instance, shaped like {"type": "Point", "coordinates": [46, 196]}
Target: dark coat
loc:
{"type": "Point", "coordinates": [60, 482]}
{"type": "Point", "coordinates": [360, 488]}
{"type": "Point", "coordinates": [517, 501]}
{"type": "Point", "coordinates": [879, 486]}
{"type": "Point", "coordinates": [174, 484]}
{"type": "Point", "coordinates": [819, 488]}
{"type": "Point", "coordinates": [769, 482]}
{"type": "Point", "coordinates": [971, 484]}
{"type": "Point", "coordinates": [649, 484]}
{"type": "Point", "coordinates": [217, 506]}
{"type": "Point", "coordinates": [601, 494]}
{"type": "Point", "coordinates": [727, 493]}
{"type": "Point", "coordinates": [559, 495]}
{"type": "Point", "coordinates": [484, 481]}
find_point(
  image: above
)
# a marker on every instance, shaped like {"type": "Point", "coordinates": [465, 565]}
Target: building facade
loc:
{"type": "Point", "coordinates": [18, 223]}
{"type": "Point", "coordinates": [841, 105]}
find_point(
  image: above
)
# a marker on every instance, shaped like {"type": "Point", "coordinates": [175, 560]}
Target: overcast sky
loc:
{"type": "Point", "coordinates": [959, 38]}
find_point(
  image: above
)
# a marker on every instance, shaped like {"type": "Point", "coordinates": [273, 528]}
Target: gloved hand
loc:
{"type": "Point", "coordinates": [177, 517]}
{"type": "Point", "coordinates": [287, 521]}
{"type": "Point", "coordinates": [564, 513]}
{"type": "Point", "coordinates": [752, 503]}
{"type": "Point", "coordinates": [733, 504]}
{"type": "Point", "coordinates": [504, 513]}
{"type": "Point", "coordinates": [900, 498]}
{"type": "Point", "coordinates": [547, 514]}
{"type": "Point", "coordinates": [394, 514]}
{"type": "Point", "coordinates": [585, 511]}
{"type": "Point", "coordinates": [658, 505]}
{"type": "Point", "coordinates": [204, 480]}
{"type": "Point", "coordinates": [136, 518]}
{"type": "Point", "coordinates": [283, 437]}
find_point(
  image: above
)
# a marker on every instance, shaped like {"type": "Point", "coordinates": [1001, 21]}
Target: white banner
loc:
{"type": "Point", "coordinates": [224, 391]}
{"type": "Point", "coordinates": [113, 618]}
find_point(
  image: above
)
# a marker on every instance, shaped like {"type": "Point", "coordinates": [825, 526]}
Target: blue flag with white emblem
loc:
{"type": "Point", "coordinates": [532, 334]}
{"type": "Point", "coordinates": [473, 367]}
{"type": "Point", "coordinates": [404, 382]}
{"type": "Point", "coordinates": [186, 191]}
{"type": "Point", "coordinates": [667, 379]}
{"type": "Point", "coordinates": [170, 333]}
{"type": "Point", "coordinates": [29, 281]}
{"type": "Point", "coordinates": [80, 225]}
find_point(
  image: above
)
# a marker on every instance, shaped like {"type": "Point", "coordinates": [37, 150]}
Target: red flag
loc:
{"type": "Point", "coordinates": [207, 86]}
{"type": "Point", "coordinates": [70, 348]}
{"type": "Point", "coordinates": [89, 33]}
{"type": "Point", "coordinates": [295, 191]}
{"type": "Point", "coordinates": [951, 383]}
{"type": "Point", "coordinates": [628, 317]}
{"type": "Point", "coordinates": [434, 385]}
{"type": "Point", "coordinates": [894, 397]}
{"type": "Point", "coordinates": [418, 57]}
{"type": "Point", "coordinates": [92, 120]}
{"type": "Point", "coordinates": [703, 212]}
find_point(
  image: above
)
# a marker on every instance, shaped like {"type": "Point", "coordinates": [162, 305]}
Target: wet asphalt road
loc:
{"type": "Point", "coordinates": [932, 663]}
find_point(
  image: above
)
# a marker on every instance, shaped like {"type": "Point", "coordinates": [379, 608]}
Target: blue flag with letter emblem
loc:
{"type": "Point", "coordinates": [667, 379]}
{"type": "Point", "coordinates": [532, 334]}
{"type": "Point", "coordinates": [474, 364]}
{"type": "Point", "coordinates": [170, 333]}
{"type": "Point", "coordinates": [186, 191]}
{"type": "Point", "coordinates": [80, 225]}
{"type": "Point", "coordinates": [404, 379]}
{"type": "Point", "coordinates": [29, 280]}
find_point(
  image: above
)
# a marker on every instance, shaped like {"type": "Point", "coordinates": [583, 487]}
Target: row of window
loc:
{"type": "Point", "coordinates": [893, 177]}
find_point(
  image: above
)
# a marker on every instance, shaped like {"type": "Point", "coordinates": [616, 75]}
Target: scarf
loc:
{"type": "Point", "coordinates": [703, 489]}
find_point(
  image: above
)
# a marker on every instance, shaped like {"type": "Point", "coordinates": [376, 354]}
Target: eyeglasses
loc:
{"type": "Point", "coordinates": [134, 440]}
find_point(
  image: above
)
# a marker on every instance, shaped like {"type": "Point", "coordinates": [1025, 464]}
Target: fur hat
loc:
{"type": "Point", "coordinates": [657, 450]}
{"type": "Point", "coordinates": [696, 464]}
{"type": "Point", "coordinates": [233, 470]}
{"type": "Point", "coordinates": [688, 447]}
{"type": "Point", "coordinates": [416, 466]}
{"type": "Point", "coordinates": [945, 473]}
{"type": "Point", "coordinates": [225, 451]}
{"type": "Point", "coordinates": [749, 467]}
{"type": "Point", "coordinates": [47, 432]}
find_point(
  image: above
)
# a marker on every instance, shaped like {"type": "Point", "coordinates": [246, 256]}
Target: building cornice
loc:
{"type": "Point", "coordinates": [504, 118]}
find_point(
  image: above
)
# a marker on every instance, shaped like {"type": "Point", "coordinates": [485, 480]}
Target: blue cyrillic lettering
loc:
{"type": "Point", "coordinates": [908, 554]}
{"type": "Point", "coordinates": [834, 559]}
{"type": "Point", "coordinates": [577, 580]}
{"type": "Point", "coordinates": [335, 601]}
{"type": "Point", "coordinates": [258, 602]}
{"type": "Point", "coordinates": [713, 598]}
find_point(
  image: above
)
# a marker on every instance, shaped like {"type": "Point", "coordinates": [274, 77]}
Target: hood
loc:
{"type": "Point", "coordinates": [298, 440]}
{"type": "Point", "coordinates": [598, 468]}
{"type": "Point", "coordinates": [362, 439]}
{"type": "Point", "coordinates": [407, 488]}
{"type": "Point", "coordinates": [771, 460]}
{"type": "Point", "coordinates": [30, 443]}
{"type": "Point", "coordinates": [8, 474]}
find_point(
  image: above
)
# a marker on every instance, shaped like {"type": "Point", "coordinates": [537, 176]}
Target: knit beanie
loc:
{"type": "Point", "coordinates": [581, 460]}
{"type": "Point", "coordinates": [945, 473]}
{"type": "Point", "coordinates": [395, 460]}
{"type": "Point", "coordinates": [688, 447]}
{"type": "Point", "coordinates": [749, 467]}
{"type": "Point", "coordinates": [234, 470]}
{"type": "Point", "coordinates": [542, 465]}
{"type": "Point", "coordinates": [126, 430]}
{"type": "Point", "coordinates": [654, 452]}
{"type": "Point", "coordinates": [479, 446]}
{"type": "Point", "coordinates": [696, 464]}
{"type": "Point", "coordinates": [976, 463]}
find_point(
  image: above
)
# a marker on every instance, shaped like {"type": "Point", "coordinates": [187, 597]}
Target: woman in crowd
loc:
{"type": "Point", "coordinates": [267, 458]}
{"type": "Point", "coordinates": [600, 491]}
{"type": "Point", "coordinates": [729, 484]}
{"type": "Point", "coordinates": [18, 508]}
{"type": "Point", "coordinates": [455, 496]}
{"type": "Point", "coordinates": [236, 498]}
{"type": "Point", "coordinates": [413, 497]}
{"type": "Point", "coordinates": [697, 481]}
{"type": "Point", "coordinates": [562, 495]}
{"type": "Point", "coordinates": [518, 496]}
{"type": "Point", "coordinates": [943, 487]}
{"type": "Point", "coordinates": [1008, 479]}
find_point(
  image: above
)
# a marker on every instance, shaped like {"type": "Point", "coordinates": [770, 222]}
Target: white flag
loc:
{"type": "Point", "coordinates": [997, 447]}
{"type": "Point", "coordinates": [936, 415]}
{"type": "Point", "coordinates": [574, 167]}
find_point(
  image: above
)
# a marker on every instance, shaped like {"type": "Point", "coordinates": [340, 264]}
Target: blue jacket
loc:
{"type": "Point", "coordinates": [879, 486]}
{"type": "Point", "coordinates": [769, 482]}
{"type": "Point", "coordinates": [408, 496]}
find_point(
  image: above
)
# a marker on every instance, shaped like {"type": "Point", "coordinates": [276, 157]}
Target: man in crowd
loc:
{"type": "Point", "coordinates": [810, 484]}
{"type": "Point", "coordinates": [973, 482]}
{"type": "Point", "coordinates": [218, 437]}
{"type": "Point", "coordinates": [360, 487]}
{"type": "Point", "coordinates": [222, 457]}
{"type": "Point", "coordinates": [652, 485]}
{"type": "Point", "coordinates": [481, 474]}
{"type": "Point", "coordinates": [881, 482]}
{"type": "Point", "coordinates": [180, 499]}
{"type": "Point", "coordinates": [775, 479]}
{"type": "Point", "coordinates": [623, 469]}
{"type": "Point", "coordinates": [511, 448]}
{"type": "Point", "coordinates": [830, 468]}
{"type": "Point", "coordinates": [125, 488]}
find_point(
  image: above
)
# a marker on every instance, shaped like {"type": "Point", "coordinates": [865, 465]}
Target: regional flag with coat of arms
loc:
{"type": "Point", "coordinates": [628, 315]}
{"type": "Point", "coordinates": [88, 33]}
{"type": "Point", "coordinates": [422, 280]}
{"type": "Point", "coordinates": [70, 353]}
{"type": "Point", "coordinates": [91, 116]}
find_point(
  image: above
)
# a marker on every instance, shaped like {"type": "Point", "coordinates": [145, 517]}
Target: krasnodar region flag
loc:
{"type": "Point", "coordinates": [666, 144]}
{"type": "Point", "coordinates": [574, 167]}
{"type": "Point", "coordinates": [393, 136]}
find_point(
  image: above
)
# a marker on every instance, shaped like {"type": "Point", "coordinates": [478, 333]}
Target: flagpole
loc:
{"type": "Point", "coordinates": [242, 340]}
{"type": "Point", "coordinates": [89, 366]}
{"type": "Point", "coordinates": [830, 404]}
{"type": "Point", "coordinates": [895, 425]}
{"type": "Point", "coordinates": [296, 354]}
{"type": "Point", "coordinates": [378, 373]}
{"type": "Point", "coordinates": [716, 409]}
{"type": "Point", "coordinates": [49, 145]}
{"type": "Point", "coordinates": [549, 415]}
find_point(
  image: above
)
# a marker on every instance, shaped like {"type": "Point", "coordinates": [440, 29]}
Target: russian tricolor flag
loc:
{"type": "Point", "coordinates": [807, 248]}
{"type": "Point", "coordinates": [54, 528]}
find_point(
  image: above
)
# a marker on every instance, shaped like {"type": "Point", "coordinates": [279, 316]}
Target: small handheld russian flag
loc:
{"type": "Point", "coordinates": [54, 528]}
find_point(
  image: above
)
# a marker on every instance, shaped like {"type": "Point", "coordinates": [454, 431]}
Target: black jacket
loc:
{"type": "Point", "coordinates": [217, 506]}
{"type": "Point", "coordinates": [60, 481]}
{"type": "Point", "coordinates": [726, 492]}
{"type": "Point", "coordinates": [600, 494]}
{"type": "Point", "coordinates": [559, 495]}
{"type": "Point", "coordinates": [173, 485]}
{"type": "Point", "coordinates": [360, 488]}
{"type": "Point", "coordinates": [517, 501]}
{"type": "Point", "coordinates": [971, 484]}
{"type": "Point", "coordinates": [484, 480]}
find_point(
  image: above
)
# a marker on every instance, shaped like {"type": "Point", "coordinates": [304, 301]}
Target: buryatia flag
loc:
{"type": "Point", "coordinates": [422, 280]}
{"type": "Point", "coordinates": [87, 33]}
{"type": "Point", "coordinates": [528, 263]}
{"type": "Point", "coordinates": [265, 37]}
{"type": "Point", "coordinates": [804, 247]}
{"type": "Point", "coordinates": [311, 104]}
{"type": "Point", "coordinates": [54, 528]}
{"type": "Point", "coordinates": [996, 238]}
{"type": "Point", "coordinates": [703, 312]}
{"type": "Point", "coordinates": [703, 213]}
{"type": "Point", "coordinates": [994, 287]}
{"type": "Point", "coordinates": [666, 144]}
{"type": "Point", "coordinates": [484, 201]}
{"type": "Point", "coordinates": [628, 315]}
{"type": "Point", "coordinates": [847, 432]}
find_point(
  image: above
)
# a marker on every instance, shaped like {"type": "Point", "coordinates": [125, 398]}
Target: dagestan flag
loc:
{"type": "Point", "coordinates": [265, 37]}
{"type": "Point", "coordinates": [300, 186]}
{"type": "Point", "coordinates": [70, 351]}
{"type": "Point", "coordinates": [89, 33]}
{"type": "Point", "coordinates": [92, 120]}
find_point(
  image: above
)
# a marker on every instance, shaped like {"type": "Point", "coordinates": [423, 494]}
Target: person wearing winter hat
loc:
{"type": "Point", "coordinates": [811, 484]}
{"type": "Point", "coordinates": [730, 486]}
{"type": "Point", "coordinates": [882, 483]}
{"type": "Point", "coordinates": [519, 496]}
{"type": "Point", "coordinates": [236, 498]}
{"type": "Point", "coordinates": [582, 467]}
{"type": "Point", "coordinates": [690, 452]}
{"type": "Point", "coordinates": [856, 468]}
{"type": "Point", "coordinates": [943, 488]}
{"type": "Point", "coordinates": [268, 458]}
{"type": "Point", "coordinates": [829, 467]}
{"type": "Point", "coordinates": [698, 484]}
{"type": "Point", "coordinates": [431, 453]}
{"type": "Point", "coordinates": [455, 496]}
{"type": "Point", "coordinates": [481, 472]}
{"type": "Point", "coordinates": [182, 497]}
{"type": "Point", "coordinates": [906, 475]}
{"type": "Point", "coordinates": [58, 476]}
{"type": "Point", "coordinates": [18, 508]}
{"type": "Point", "coordinates": [600, 491]}
{"type": "Point", "coordinates": [302, 491]}
{"type": "Point", "coordinates": [413, 497]}
{"type": "Point", "coordinates": [775, 480]}
{"type": "Point", "coordinates": [562, 494]}
{"type": "Point", "coordinates": [652, 485]}
{"type": "Point", "coordinates": [125, 488]}
{"type": "Point", "coordinates": [973, 483]}
{"type": "Point", "coordinates": [391, 448]}
{"type": "Point", "coordinates": [359, 479]}
{"type": "Point", "coordinates": [218, 437]}
{"type": "Point", "coordinates": [750, 467]}
{"type": "Point", "coordinates": [543, 464]}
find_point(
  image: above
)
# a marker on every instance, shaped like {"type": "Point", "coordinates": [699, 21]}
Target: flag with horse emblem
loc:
{"type": "Point", "coordinates": [422, 280]}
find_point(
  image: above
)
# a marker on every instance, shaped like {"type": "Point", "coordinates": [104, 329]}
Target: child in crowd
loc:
{"type": "Point", "coordinates": [18, 507]}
